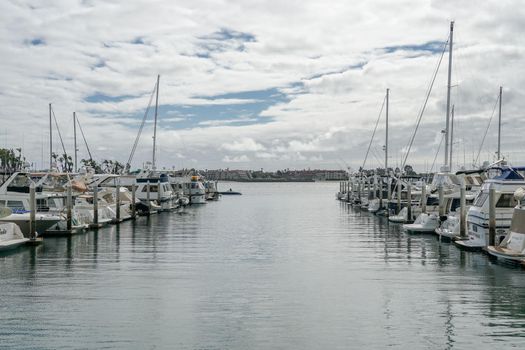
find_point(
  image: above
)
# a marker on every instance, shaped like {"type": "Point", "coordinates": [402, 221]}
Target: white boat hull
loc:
{"type": "Point", "coordinates": [11, 236]}
{"type": "Point", "coordinates": [424, 223]}
{"type": "Point", "coordinates": [43, 222]}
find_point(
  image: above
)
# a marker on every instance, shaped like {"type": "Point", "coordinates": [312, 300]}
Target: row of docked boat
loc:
{"type": "Point", "coordinates": [480, 209]}
{"type": "Point", "coordinates": [477, 210]}
{"type": "Point", "coordinates": [33, 205]}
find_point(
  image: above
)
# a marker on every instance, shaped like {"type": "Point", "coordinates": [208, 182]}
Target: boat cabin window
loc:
{"type": "Point", "coordinates": [432, 201]}
{"type": "Point", "coordinates": [455, 204]}
{"type": "Point", "coordinates": [152, 188]}
{"type": "Point", "coordinates": [56, 203]}
{"type": "Point", "coordinates": [15, 205]}
{"type": "Point", "coordinates": [42, 205]}
{"type": "Point", "coordinates": [480, 199]}
{"type": "Point", "coordinates": [506, 200]}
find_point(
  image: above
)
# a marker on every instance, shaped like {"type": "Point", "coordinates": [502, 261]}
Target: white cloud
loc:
{"type": "Point", "coordinates": [243, 145]}
{"type": "Point", "coordinates": [332, 107]}
{"type": "Point", "coordinates": [236, 159]}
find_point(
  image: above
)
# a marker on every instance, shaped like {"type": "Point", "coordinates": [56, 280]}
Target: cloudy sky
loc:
{"type": "Point", "coordinates": [260, 84]}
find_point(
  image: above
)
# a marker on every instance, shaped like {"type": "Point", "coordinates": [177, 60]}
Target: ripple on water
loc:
{"type": "Point", "coordinates": [283, 266]}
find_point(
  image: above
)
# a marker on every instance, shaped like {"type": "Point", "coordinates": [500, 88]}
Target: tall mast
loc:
{"type": "Point", "coordinates": [451, 137]}
{"type": "Point", "coordinates": [50, 140]}
{"type": "Point", "coordinates": [448, 91]}
{"type": "Point", "coordinates": [499, 123]}
{"type": "Point", "coordinates": [155, 124]}
{"type": "Point", "coordinates": [386, 133]}
{"type": "Point", "coordinates": [75, 138]}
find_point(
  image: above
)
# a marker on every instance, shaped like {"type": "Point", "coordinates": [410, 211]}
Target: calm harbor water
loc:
{"type": "Point", "coordinates": [284, 266]}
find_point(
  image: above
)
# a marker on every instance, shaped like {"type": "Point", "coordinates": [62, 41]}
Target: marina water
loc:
{"type": "Point", "coordinates": [284, 265]}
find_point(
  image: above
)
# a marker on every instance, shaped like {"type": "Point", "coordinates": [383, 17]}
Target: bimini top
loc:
{"type": "Point", "coordinates": [510, 173]}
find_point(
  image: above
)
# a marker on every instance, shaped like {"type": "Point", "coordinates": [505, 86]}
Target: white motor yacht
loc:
{"type": "Point", "coordinates": [14, 194]}
{"type": "Point", "coordinates": [107, 184]}
{"type": "Point", "coordinates": [191, 186]}
{"type": "Point", "coordinates": [512, 247]}
{"type": "Point", "coordinates": [153, 190]}
{"type": "Point", "coordinates": [508, 180]}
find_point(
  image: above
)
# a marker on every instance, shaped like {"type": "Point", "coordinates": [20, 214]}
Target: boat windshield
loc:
{"type": "Point", "coordinates": [480, 199]}
{"type": "Point", "coordinates": [20, 183]}
{"type": "Point", "coordinates": [506, 200]}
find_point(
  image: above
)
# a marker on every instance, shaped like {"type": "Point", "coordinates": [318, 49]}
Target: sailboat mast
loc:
{"type": "Point", "coordinates": [448, 91]}
{"type": "Point", "coordinates": [75, 138]}
{"type": "Point", "coordinates": [386, 132]}
{"type": "Point", "coordinates": [386, 147]}
{"type": "Point", "coordinates": [499, 123]}
{"type": "Point", "coordinates": [451, 137]}
{"type": "Point", "coordinates": [50, 140]}
{"type": "Point", "coordinates": [155, 124]}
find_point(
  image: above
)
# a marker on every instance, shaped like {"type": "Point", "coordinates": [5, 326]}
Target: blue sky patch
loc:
{"type": "Point", "coordinates": [98, 98]}
{"type": "Point", "coordinates": [359, 65]}
{"type": "Point", "coordinates": [35, 42]}
{"type": "Point", "coordinates": [138, 41]}
{"type": "Point", "coordinates": [431, 46]}
{"type": "Point", "coordinates": [228, 34]}
{"type": "Point", "coordinates": [223, 40]}
{"type": "Point", "coordinates": [235, 114]}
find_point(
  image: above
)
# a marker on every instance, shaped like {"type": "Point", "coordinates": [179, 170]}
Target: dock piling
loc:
{"type": "Point", "coordinates": [32, 214]}
{"type": "Point", "coordinates": [95, 206]}
{"type": "Point", "coordinates": [398, 196]}
{"type": "Point", "coordinates": [117, 200]}
{"type": "Point", "coordinates": [69, 207]}
{"type": "Point", "coordinates": [462, 210]}
{"type": "Point", "coordinates": [148, 199]}
{"type": "Point", "coordinates": [492, 216]}
{"type": "Point", "coordinates": [375, 187]}
{"type": "Point", "coordinates": [133, 198]}
{"type": "Point", "coordinates": [441, 201]}
{"type": "Point", "coordinates": [409, 203]}
{"type": "Point", "coordinates": [380, 192]}
{"type": "Point", "coordinates": [424, 198]}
